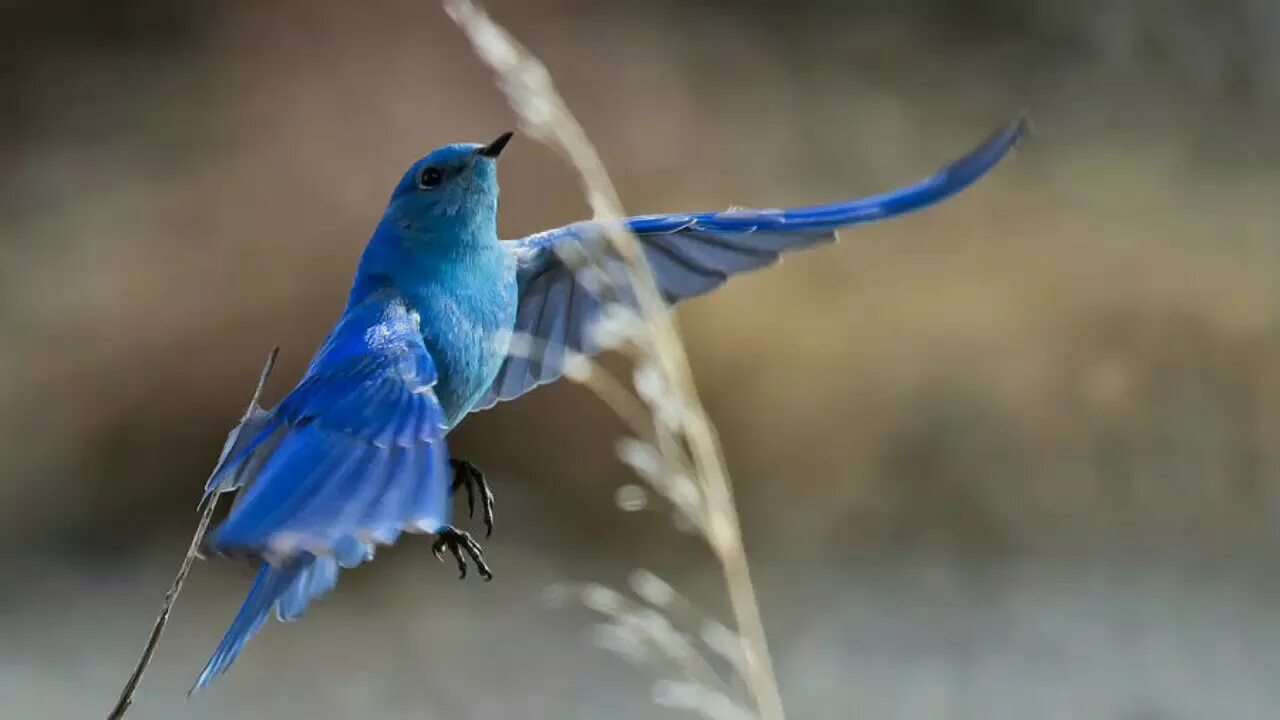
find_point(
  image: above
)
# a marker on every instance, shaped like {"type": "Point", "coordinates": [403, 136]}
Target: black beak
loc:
{"type": "Point", "coordinates": [494, 149]}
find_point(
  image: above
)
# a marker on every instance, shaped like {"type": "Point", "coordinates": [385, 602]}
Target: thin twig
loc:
{"type": "Point", "coordinates": [544, 115]}
{"type": "Point", "coordinates": [209, 503]}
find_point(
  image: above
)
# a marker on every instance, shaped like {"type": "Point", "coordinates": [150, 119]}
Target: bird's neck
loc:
{"type": "Point", "coordinates": [410, 258]}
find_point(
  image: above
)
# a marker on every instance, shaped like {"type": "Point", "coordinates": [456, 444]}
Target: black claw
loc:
{"type": "Point", "coordinates": [470, 477]}
{"type": "Point", "coordinates": [458, 542]}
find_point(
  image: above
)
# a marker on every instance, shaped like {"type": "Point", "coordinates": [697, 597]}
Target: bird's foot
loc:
{"type": "Point", "coordinates": [458, 543]}
{"type": "Point", "coordinates": [470, 477]}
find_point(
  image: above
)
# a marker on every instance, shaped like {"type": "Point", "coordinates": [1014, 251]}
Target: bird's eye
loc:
{"type": "Point", "coordinates": [431, 177]}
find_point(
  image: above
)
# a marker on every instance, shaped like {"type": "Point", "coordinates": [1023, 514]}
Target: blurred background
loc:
{"type": "Point", "coordinates": [1013, 457]}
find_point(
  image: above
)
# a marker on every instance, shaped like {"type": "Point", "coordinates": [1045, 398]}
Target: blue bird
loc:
{"type": "Point", "coordinates": [355, 454]}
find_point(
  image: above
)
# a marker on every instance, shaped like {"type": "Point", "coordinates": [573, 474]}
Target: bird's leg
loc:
{"type": "Point", "coordinates": [459, 542]}
{"type": "Point", "coordinates": [470, 477]}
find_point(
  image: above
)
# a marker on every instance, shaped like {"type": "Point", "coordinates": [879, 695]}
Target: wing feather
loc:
{"type": "Point", "coordinates": [351, 458]}
{"type": "Point", "coordinates": [690, 254]}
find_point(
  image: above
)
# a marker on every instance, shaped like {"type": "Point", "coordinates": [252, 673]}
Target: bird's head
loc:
{"type": "Point", "coordinates": [452, 189]}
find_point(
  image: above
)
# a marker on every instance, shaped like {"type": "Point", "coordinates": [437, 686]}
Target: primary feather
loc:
{"type": "Point", "coordinates": [690, 254]}
{"type": "Point", "coordinates": [352, 457]}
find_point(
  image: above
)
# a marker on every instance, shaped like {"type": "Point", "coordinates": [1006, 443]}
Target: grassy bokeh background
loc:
{"type": "Point", "coordinates": [1012, 457]}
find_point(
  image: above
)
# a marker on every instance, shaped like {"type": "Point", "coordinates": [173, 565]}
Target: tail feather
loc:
{"type": "Point", "coordinates": [287, 590]}
{"type": "Point", "coordinates": [317, 580]}
{"type": "Point", "coordinates": [268, 586]}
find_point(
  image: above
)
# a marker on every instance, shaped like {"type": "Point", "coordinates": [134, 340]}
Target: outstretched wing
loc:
{"type": "Point", "coordinates": [352, 457]}
{"type": "Point", "coordinates": [690, 254]}
{"type": "Point", "coordinates": [355, 452]}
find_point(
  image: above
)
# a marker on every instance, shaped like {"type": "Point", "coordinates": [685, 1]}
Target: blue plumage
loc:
{"type": "Point", "coordinates": [287, 589]}
{"type": "Point", "coordinates": [355, 454]}
{"type": "Point", "coordinates": [691, 254]}
{"type": "Point", "coordinates": [351, 458]}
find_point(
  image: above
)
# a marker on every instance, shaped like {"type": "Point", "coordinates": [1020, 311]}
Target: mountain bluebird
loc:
{"type": "Point", "coordinates": [355, 454]}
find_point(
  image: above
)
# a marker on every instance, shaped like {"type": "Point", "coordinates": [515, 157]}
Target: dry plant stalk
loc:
{"type": "Point", "coordinates": [208, 504]}
{"type": "Point", "coordinates": [544, 116]}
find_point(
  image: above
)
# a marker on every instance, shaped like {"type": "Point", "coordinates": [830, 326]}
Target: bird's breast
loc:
{"type": "Point", "coordinates": [465, 324]}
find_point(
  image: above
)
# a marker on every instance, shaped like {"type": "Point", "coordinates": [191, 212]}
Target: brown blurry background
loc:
{"type": "Point", "coordinates": [1013, 457]}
